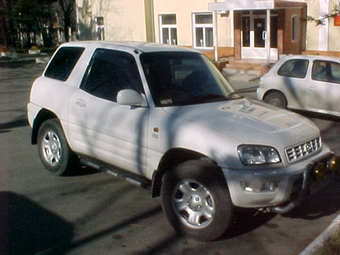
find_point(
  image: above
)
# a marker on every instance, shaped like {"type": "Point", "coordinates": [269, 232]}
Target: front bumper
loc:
{"type": "Point", "coordinates": [280, 190]}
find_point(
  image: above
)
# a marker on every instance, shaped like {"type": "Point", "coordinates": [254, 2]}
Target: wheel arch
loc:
{"type": "Point", "coordinates": [169, 161]}
{"type": "Point", "coordinates": [41, 117]}
{"type": "Point", "coordinates": [271, 91]}
{"type": "Point", "coordinates": [276, 91]}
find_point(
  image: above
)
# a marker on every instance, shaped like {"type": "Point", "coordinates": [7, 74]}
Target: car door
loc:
{"type": "Point", "coordinates": [291, 80]}
{"type": "Point", "coordinates": [99, 127]}
{"type": "Point", "coordinates": [324, 88]}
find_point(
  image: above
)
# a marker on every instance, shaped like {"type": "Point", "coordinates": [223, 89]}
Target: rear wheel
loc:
{"type": "Point", "coordinates": [277, 99]}
{"type": "Point", "coordinates": [196, 200]}
{"type": "Point", "coordinates": [54, 151]}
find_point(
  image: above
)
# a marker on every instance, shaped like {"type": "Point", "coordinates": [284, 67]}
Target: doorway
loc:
{"type": "Point", "coordinates": [254, 35]}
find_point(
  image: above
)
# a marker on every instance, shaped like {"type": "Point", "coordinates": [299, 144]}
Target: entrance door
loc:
{"type": "Point", "coordinates": [254, 36]}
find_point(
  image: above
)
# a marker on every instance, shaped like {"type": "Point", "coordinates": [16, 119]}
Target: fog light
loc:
{"type": "Point", "coordinates": [258, 186]}
{"type": "Point", "coordinates": [319, 172]}
{"type": "Point", "coordinates": [253, 186]}
{"type": "Point", "coordinates": [333, 163]}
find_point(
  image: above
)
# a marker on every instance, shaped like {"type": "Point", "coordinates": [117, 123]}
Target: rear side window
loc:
{"type": "Point", "coordinates": [296, 68]}
{"type": "Point", "coordinates": [63, 63]}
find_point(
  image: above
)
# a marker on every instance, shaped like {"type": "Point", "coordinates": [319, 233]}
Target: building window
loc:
{"type": "Point", "coordinates": [168, 29]}
{"type": "Point", "coordinates": [294, 28]}
{"type": "Point", "coordinates": [203, 30]}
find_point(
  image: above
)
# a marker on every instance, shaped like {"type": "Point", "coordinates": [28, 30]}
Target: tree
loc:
{"type": "Point", "coordinates": [67, 7]}
{"type": "Point", "coordinates": [325, 16]}
{"type": "Point", "coordinates": [25, 21]}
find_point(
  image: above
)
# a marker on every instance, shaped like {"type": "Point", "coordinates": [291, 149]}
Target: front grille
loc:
{"type": "Point", "coordinates": [303, 150]}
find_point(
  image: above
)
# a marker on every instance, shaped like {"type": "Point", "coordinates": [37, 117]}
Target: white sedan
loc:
{"type": "Point", "coordinates": [302, 82]}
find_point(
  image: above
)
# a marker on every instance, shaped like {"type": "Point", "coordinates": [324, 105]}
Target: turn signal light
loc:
{"type": "Point", "coordinates": [319, 172]}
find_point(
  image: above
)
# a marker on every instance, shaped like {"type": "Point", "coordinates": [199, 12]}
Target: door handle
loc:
{"type": "Point", "coordinates": [81, 102]}
{"type": "Point", "coordinates": [264, 35]}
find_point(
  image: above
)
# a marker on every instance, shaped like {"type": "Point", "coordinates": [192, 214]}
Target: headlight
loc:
{"type": "Point", "coordinates": [258, 155]}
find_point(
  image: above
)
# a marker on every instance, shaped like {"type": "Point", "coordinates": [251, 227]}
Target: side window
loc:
{"type": "Point", "coordinates": [109, 72]}
{"type": "Point", "coordinates": [296, 68]}
{"type": "Point", "coordinates": [63, 63]}
{"type": "Point", "coordinates": [326, 71]}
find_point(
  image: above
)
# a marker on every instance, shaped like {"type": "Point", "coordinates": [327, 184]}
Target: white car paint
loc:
{"type": "Point", "coordinates": [136, 138]}
{"type": "Point", "coordinates": [306, 93]}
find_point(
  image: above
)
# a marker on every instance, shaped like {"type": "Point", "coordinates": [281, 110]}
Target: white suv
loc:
{"type": "Point", "coordinates": [166, 119]}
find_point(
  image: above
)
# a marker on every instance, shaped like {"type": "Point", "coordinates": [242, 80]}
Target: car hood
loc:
{"type": "Point", "coordinates": [249, 122]}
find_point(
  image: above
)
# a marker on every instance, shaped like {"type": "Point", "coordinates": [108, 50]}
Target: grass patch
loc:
{"type": "Point", "coordinates": [331, 245]}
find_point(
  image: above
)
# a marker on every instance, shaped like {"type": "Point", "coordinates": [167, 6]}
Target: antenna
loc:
{"type": "Point", "coordinates": [133, 40]}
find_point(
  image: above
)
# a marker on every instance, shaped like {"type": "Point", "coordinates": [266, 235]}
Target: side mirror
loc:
{"type": "Point", "coordinates": [130, 97]}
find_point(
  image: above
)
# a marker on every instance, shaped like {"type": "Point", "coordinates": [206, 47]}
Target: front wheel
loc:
{"type": "Point", "coordinates": [196, 200]}
{"type": "Point", "coordinates": [54, 151]}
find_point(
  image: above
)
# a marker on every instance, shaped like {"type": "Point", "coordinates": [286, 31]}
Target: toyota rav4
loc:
{"type": "Point", "coordinates": [165, 118]}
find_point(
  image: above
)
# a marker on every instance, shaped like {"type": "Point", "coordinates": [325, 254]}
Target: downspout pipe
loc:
{"type": "Point", "coordinates": [215, 35]}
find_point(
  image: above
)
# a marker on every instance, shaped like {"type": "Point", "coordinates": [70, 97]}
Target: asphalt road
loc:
{"type": "Point", "coordinates": [95, 213]}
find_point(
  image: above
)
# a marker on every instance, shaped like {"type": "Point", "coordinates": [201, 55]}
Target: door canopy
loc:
{"type": "Point", "coordinates": [238, 5]}
{"type": "Point", "coordinates": [242, 5]}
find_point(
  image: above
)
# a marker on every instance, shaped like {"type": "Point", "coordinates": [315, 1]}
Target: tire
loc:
{"type": "Point", "coordinates": [196, 200]}
{"type": "Point", "coordinates": [277, 99]}
{"type": "Point", "coordinates": [53, 149]}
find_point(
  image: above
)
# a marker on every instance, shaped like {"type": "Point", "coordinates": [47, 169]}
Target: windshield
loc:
{"type": "Point", "coordinates": [183, 78]}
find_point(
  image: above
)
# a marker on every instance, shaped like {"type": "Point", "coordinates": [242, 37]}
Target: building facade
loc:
{"type": "Point", "coordinates": [255, 29]}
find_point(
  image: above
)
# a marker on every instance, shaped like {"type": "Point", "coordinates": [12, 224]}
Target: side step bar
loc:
{"type": "Point", "coordinates": [116, 173]}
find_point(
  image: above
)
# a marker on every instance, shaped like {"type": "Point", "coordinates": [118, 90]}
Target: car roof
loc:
{"type": "Point", "coordinates": [311, 57]}
{"type": "Point", "coordinates": [129, 45]}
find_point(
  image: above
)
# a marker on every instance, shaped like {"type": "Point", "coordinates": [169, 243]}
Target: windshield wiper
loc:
{"type": "Point", "coordinates": [233, 95]}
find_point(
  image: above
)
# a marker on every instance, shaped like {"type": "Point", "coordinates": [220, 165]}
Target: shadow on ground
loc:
{"type": "Point", "coordinates": [27, 228]}
{"type": "Point", "coordinates": [324, 202]}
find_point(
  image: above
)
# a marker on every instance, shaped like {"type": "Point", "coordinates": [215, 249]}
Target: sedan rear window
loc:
{"type": "Point", "coordinates": [63, 63]}
{"type": "Point", "coordinates": [296, 68]}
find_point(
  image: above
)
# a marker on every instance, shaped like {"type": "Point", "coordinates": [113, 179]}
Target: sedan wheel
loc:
{"type": "Point", "coordinates": [277, 99]}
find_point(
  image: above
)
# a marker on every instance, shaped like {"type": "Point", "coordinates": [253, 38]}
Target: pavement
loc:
{"type": "Point", "coordinates": [248, 79]}
{"type": "Point", "coordinates": [14, 59]}
{"type": "Point", "coordinates": [242, 76]}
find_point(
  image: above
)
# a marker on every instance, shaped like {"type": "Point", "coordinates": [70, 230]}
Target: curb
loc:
{"type": "Point", "coordinates": [313, 247]}
{"type": "Point", "coordinates": [24, 59]}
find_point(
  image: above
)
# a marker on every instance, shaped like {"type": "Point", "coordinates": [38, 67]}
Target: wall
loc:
{"type": "Point", "coordinates": [290, 46]}
{"type": "Point", "coordinates": [322, 39]}
{"type": "Point", "coordinates": [122, 20]}
{"type": "Point", "coordinates": [184, 13]}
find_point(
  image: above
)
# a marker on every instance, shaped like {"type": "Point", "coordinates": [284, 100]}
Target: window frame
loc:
{"type": "Point", "coordinates": [171, 28]}
{"type": "Point", "coordinates": [205, 27]}
{"type": "Point", "coordinates": [295, 28]}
